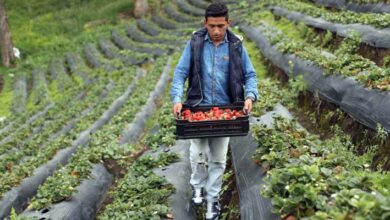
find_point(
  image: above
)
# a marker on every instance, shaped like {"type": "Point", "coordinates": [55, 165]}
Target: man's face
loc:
{"type": "Point", "coordinates": [216, 26]}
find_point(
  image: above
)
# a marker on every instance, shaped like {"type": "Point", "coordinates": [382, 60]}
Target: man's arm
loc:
{"type": "Point", "coordinates": [181, 73]}
{"type": "Point", "coordinates": [251, 92]}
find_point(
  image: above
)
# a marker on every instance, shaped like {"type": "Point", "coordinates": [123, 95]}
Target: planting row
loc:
{"type": "Point", "coordinates": [56, 74]}
{"type": "Point", "coordinates": [39, 150]}
{"type": "Point", "coordinates": [62, 81]}
{"type": "Point", "coordinates": [310, 177]}
{"type": "Point", "coordinates": [31, 95]}
{"type": "Point", "coordinates": [141, 194]}
{"type": "Point", "coordinates": [369, 6]}
{"type": "Point", "coordinates": [57, 71]}
{"type": "Point", "coordinates": [343, 61]}
{"type": "Point", "coordinates": [344, 92]}
{"type": "Point", "coordinates": [374, 37]}
{"type": "Point", "coordinates": [47, 120]}
{"type": "Point", "coordinates": [104, 145]}
{"type": "Point", "coordinates": [343, 17]}
{"type": "Point", "coordinates": [21, 164]}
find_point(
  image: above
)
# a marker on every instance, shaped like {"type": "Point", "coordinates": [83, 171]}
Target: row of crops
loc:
{"type": "Point", "coordinates": [78, 128]}
{"type": "Point", "coordinates": [327, 160]}
{"type": "Point", "coordinates": [78, 145]}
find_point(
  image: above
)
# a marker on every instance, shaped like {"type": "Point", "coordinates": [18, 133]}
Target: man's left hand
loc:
{"type": "Point", "coordinates": [248, 106]}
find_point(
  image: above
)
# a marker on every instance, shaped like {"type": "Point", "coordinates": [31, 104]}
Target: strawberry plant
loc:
{"type": "Point", "coordinates": [19, 169]}
{"type": "Point", "coordinates": [309, 177]}
{"type": "Point", "coordinates": [141, 194]}
{"type": "Point", "coordinates": [343, 17]}
{"type": "Point", "coordinates": [103, 145]}
{"type": "Point", "coordinates": [344, 63]}
{"type": "Point", "coordinates": [166, 127]}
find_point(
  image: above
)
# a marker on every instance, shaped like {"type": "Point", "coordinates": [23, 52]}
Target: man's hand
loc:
{"type": "Point", "coordinates": [177, 109]}
{"type": "Point", "coordinates": [248, 106]}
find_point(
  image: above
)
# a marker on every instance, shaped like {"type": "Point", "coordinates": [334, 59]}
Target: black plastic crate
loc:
{"type": "Point", "coordinates": [212, 128]}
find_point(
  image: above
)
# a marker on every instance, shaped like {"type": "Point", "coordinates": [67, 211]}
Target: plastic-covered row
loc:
{"type": "Point", "coordinates": [379, 7]}
{"type": "Point", "coordinates": [368, 106]}
{"type": "Point", "coordinates": [91, 192]}
{"type": "Point", "coordinates": [372, 36]}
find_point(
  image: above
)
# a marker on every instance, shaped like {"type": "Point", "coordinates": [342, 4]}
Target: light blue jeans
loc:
{"type": "Point", "coordinates": [211, 152]}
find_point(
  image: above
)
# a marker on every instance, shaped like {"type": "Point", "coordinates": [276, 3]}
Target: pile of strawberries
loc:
{"type": "Point", "coordinates": [214, 114]}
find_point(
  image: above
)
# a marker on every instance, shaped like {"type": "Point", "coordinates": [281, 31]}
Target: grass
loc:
{"type": "Point", "coordinates": [53, 26]}
{"type": "Point", "coordinates": [283, 24]}
{"type": "Point", "coordinates": [46, 29]}
{"type": "Point", "coordinates": [6, 95]}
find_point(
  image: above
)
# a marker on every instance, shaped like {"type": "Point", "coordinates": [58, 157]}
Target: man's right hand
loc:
{"type": "Point", "coordinates": [177, 109]}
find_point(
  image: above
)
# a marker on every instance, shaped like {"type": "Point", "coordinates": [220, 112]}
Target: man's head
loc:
{"type": "Point", "coordinates": [217, 21]}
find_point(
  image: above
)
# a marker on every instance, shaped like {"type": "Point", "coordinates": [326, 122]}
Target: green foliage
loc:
{"type": "Point", "coordinates": [47, 26]}
{"type": "Point", "coordinates": [297, 84]}
{"type": "Point", "coordinates": [368, 1]}
{"type": "Point", "coordinates": [309, 177]}
{"type": "Point", "coordinates": [382, 134]}
{"type": "Point", "coordinates": [271, 94]}
{"type": "Point", "coordinates": [102, 146]}
{"type": "Point", "coordinates": [15, 216]}
{"type": "Point", "coordinates": [327, 38]}
{"type": "Point", "coordinates": [343, 17]}
{"type": "Point", "coordinates": [41, 149]}
{"type": "Point", "coordinates": [349, 45]}
{"type": "Point", "coordinates": [386, 61]}
{"type": "Point", "coordinates": [166, 134]}
{"type": "Point", "coordinates": [141, 194]}
{"type": "Point", "coordinates": [343, 62]}
{"type": "Point", "coordinates": [6, 95]}
{"type": "Point", "coordinates": [232, 207]}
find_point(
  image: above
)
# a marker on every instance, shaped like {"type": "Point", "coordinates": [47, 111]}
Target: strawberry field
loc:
{"type": "Point", "coordinates": [89, 133]}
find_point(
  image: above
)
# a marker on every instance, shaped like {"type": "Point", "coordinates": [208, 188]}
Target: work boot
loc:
{"type": "Point", "coordinates": [197, 196]}
{"type": "Point", "coordinates": [213, 210]}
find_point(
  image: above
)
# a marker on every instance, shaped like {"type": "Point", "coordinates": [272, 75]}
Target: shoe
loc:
{"type": "Point", "coordinates": [213, 210]}
{"type": "Point", "coordinates": [197, 196]}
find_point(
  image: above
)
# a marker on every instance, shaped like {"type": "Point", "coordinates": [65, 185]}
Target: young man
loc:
{"type": "Point", "coordinates": [218, 69]}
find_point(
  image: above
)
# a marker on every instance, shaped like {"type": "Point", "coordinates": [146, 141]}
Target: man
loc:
{"type": "Point", "coordinates": [218, 69]}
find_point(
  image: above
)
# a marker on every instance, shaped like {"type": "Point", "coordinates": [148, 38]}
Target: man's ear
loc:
{"type": "Point", "coordinates": [229, 21]}
{"type": "Point", "coordinates": [204, 21]}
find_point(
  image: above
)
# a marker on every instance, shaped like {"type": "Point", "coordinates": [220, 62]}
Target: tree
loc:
{"type": "Point", "coordinates": [7, 53]}
{"type": "Point", "coordinates": [140, 8]}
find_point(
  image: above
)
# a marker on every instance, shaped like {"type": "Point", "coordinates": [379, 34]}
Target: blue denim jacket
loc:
{"type": "Point", "coordinates": [215, 69]}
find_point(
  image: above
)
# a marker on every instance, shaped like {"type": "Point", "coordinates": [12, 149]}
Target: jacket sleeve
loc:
{"type": "Point", "coordinates": [181, 74]}
{"type": "Point", "coordinates": [249, 76]}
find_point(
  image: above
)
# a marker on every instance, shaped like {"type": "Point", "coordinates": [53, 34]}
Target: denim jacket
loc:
{"type": "Point", "coordinates": [215, 74]}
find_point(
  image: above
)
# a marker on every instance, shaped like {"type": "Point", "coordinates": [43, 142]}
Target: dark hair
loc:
{"type": "Point", "coordinates": [217, 9]}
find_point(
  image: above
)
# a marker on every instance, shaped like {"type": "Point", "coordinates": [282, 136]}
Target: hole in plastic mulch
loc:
{"type": "Point", "coordinates": [45, 211]}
